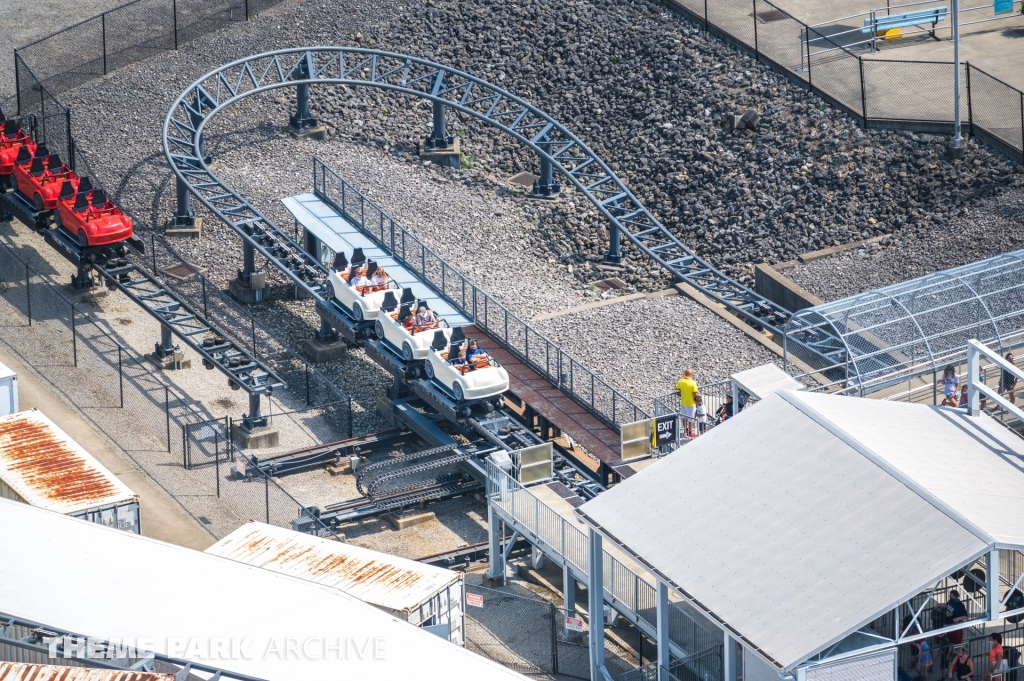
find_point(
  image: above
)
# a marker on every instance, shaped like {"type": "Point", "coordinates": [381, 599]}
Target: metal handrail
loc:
{"type": "Point", "coordinates": [465, 296]}
{"type": "Point", "coordinates": [622, 585]}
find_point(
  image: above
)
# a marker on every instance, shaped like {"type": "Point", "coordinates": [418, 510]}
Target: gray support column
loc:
{"type": "Point", "coordinates": [992, 585]}
{"type": "Point", "coordinates": [614, 254]}
{"type": "Point", "coordinates": [248, 261]}
{"type": "Point", "coordinates": [595, 598]}
{"type": "Point", "coordinates": [255, 418]}
{"type": "Point", "coordinates": [728, 660]}
{"type": "Point", "coordinates": [568, 590]}
{"type": "Point", "coordinates": [496, 568]}
{"type": "Point", "coordinates": [183, 216]}
{"type": "Point", "coordinates": [973, 374]}
{"type": "Point", "coordinates": [662, 637]}
{"type": "Point", "coordinates": [166, 345]}
{"type": "Point", "coordinates": [439, 137]}
{"type": "Point", "coordinates": [301, 121]}
{"type": "Point", "coordinates": [546, 187]}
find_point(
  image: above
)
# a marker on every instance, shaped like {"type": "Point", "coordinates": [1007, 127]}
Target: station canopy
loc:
{"type": "Point", "coordinates": [808, 516]}
{"type": "Point", "coordinates": [235, 617]}
{"type": "Point", "coordinates": [917, 326]}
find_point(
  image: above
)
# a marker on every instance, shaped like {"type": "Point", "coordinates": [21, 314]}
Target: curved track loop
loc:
{"type": "Point", "coordinates": [472, 96]}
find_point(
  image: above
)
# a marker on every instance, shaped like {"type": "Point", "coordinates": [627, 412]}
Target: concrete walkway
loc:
{"type": "Point", "coordinates": [162, 517]}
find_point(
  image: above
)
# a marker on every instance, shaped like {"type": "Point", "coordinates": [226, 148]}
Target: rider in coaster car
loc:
{"type": "Point", "coordinates": [424, 318]}
{"type": "Point", "coordinates": [461, 363]}
{"type": "Point", "coordinates": [380, 279]}
{"type": "Point", "coordinates": [360, 279]}
{"type": "Point", "coordinates": [475, 352]}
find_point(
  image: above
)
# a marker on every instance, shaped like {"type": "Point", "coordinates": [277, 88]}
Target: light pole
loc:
{"type": "Point", "coordinates": [958, 143]}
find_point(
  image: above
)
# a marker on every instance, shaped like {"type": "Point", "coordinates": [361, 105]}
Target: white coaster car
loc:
{"type": "Point", "coordinates": [362, 302]}
{"type": "Point", "coordinates": [478, 379]}
{"type": "Point", "coordinates": [413, 342]}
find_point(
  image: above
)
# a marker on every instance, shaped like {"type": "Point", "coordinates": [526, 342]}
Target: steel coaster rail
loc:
{"type": "Point", "coordinates": [553, 143]}
{"type": "Point", "coordinates": [466, 297]}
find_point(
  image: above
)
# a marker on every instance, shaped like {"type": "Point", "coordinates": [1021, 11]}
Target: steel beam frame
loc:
{"type": "Point", "coordinates": [358, 67]}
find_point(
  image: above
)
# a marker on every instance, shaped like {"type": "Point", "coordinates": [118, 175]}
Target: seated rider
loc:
{"type": "Point", "coordinates": [461, 363]}
{"type": "Point", "coordinates": [360, 279]}
{"type": "Point", "coordinates": [379, 278]}
{"type": "Point", "coordinates": [424, 317]}
{"type": "Point", "coordinates": [475, 351]}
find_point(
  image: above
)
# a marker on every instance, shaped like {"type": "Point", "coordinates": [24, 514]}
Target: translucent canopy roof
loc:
{"type": "Point", "coordinates": [916, 326]}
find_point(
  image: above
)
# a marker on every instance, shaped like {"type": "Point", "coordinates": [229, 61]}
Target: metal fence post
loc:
{"type": "Point", "coordinates": [103, 22]}
{"type": "Point", "coordinates": [28, 294]}
{"type": "Point", "coordinates": [174, 9]}
{"type": "Point", "coordinates": [757, 52]}
{"type": "Point", "coordinates": [17, 85]}
{"type": "Point", "coordinates": [350, 416]}
{"type": "Point", "coordinates": [307, 384]}
{"type": "Point", "coordinates": [205, 312]}
{"type": "Point", "coordinates": [216, 458]}
{"type": "Point", "coordinates": [247, 10]}
{"type": "Point", "coordinates": [167, 415]}
{"type": "Point", "coordinates": [74, 336]}
{"type": "Point", "coordinates": [266, 494]}
{"type": "Point", "coordinates": [186, 445]}
{"type": "Point", "coordinates": [120, 376]}
{"type": "Point", "coordinates": [970, 111]}
{"type": "Point", "coordinates": [1022, 123]}
{"type": "Point", "coordinates": [808, 42]}
{"type": "Point", "coordinates": [705, 16]}
{"type": "Point", "coordinates": [71, 141]}
{"type": "Point", "coordinates": [863, 93]}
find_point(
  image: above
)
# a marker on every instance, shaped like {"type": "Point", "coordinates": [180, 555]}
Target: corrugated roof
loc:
{"type": "Point", "coordinates": [48, 469]}
{"type": "Point", "coordinates": [975, 466]}
{"type": "Point", "coordinates": [378, 578]}
{"type": "Point", "coordinates": [777, 526]}
{"type": "Point", "coordinates": [19, 671]}
{"type": "Point", "coordinates": [127, 587]}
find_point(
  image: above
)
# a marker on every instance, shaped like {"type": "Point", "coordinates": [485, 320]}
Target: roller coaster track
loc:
{"type": "Point", "coordinates": [358, 67]}
{"type": "Point", "coordinates": [376, 476]}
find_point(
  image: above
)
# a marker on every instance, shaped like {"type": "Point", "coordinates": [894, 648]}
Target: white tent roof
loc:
{"type": "Point", "coordinates": [765, 380]}
{"type": "Point", "coordinates": [123, 586]}
{"type": "Point", "coordinates": [796, 532]}
{"type": "Point", "coordinates": [372, 576]}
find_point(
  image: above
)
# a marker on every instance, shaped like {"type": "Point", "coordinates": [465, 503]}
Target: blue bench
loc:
{"type": "Point", "coordinates": [881, 24]}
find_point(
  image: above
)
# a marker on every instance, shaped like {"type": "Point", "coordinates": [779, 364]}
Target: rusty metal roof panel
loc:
{"type": "Point", "coordinates": [20, 671]}
{"type": "Point", "coordinates": [48, 469]}
{"type": "Point", "coordinates": [372, 576]}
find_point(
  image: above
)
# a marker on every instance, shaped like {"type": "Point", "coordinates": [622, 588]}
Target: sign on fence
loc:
{"type": "Point", "coordinates": [1002, 6]}
{"type": "Point", "coordinates": [574, 623]}
{"type": "Point", "coordinates": [666, 430]}
{"type": "Point", "coordinates": [476, 600]}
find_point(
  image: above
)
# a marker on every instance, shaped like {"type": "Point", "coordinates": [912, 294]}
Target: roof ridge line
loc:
{"type": "Point", "coordinates": [870, 455]}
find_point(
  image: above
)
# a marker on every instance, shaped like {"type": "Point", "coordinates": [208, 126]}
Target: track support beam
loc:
{"type": "Point", "coordinates": [546, 187]}
{"type": "Point", "coordinates": [184, 216]}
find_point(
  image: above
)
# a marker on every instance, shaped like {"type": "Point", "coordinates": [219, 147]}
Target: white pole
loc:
{"type": "Point", "coordinates": [956, 145]}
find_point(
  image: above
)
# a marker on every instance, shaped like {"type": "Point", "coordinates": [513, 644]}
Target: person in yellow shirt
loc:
{"type": "Point", "coordinates": [687, 388]}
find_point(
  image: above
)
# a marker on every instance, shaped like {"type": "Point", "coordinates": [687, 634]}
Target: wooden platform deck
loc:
{"type": "Point", "coordinates": [553, 404]}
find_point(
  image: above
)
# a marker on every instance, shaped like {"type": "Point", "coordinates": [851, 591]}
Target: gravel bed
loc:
{"type": "Point", "coordinates": [985, 231]}
{"type": "Point", "coordinates": [665, 335]}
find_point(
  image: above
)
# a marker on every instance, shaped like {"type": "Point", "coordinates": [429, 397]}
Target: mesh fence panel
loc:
{"type": "Point", "coordinates": [835, 72]}
{"type": "Point", "coordinates": [780, 38]}
{"type": "Point", "coordinates": [911, 91]}
{"type": "Point", "coordinates": [996, 108]}
{"type": "Point", "coordinates": [125, 35]}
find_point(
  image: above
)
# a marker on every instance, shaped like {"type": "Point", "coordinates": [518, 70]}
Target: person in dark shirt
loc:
{"type": "Point", "coordinates": [1008, 382]}
{"type": "Point", "coordinates": [474, 350]}
{"type": "Point", "coordinates": [962, 667]}
{"type": "Point", "coordinates": [725, 411]}
{"type": "Point", "coordinates": [956, 612]}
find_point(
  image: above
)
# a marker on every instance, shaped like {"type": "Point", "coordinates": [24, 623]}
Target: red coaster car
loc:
{"type": "Point", "coordinates": [39, 177]}
{"type": "Point", "coordinates": [89, 216]}
{"type": "Point", "coordinates": [12, 138]}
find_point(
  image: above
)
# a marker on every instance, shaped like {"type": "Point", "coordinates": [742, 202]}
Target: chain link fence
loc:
{"type": "Point", "coordinates": [161, 427]}
{"type": "Point", "coordinates": [917, 94]}
{"type": "Point", "coordinates": [119, 37]}
{"type": "Point", "coordinates": [529, 635]}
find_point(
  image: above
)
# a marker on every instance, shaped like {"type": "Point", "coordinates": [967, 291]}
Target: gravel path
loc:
{"type": "Point", "coordinates": [985, 231]}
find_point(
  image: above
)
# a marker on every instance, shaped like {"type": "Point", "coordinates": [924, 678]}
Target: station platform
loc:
{"type": "Point", "coordinates": [341, 236]}
{"type": "Point", "coordinates": [551, 403]}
